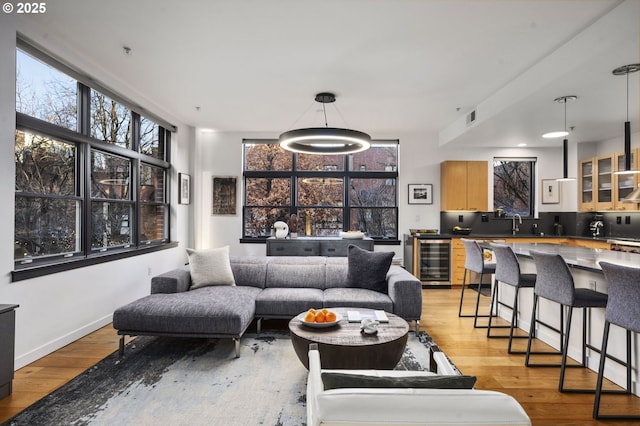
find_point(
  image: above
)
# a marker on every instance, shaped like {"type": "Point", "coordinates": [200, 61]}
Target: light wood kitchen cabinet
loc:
{"type": "Point", "coordinates": [463, 185]}
{"type": "Point", "coordinates": [587, 181]}
{"type": "Point", "coordinates": [457, 261]}
{"type": "Point", "coordinates": [593, 244]}
{"type": "Point", "coordinates": [600, 189]}
{"type": "Point", "coordinates": [604, 180]}
{"type": "Point", "coordinates": [625, 184]}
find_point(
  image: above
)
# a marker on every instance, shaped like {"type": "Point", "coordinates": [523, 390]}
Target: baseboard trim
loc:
{"type": "Point", "coordinates": [52, 346]}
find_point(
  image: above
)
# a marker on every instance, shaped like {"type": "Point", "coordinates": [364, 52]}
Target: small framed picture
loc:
{"type": "Point", "coordinates": [420, 193]}
{"type": "Point", "coordinates": [185, 188]}
{"type": "Point", "coordinates": [550, 191]}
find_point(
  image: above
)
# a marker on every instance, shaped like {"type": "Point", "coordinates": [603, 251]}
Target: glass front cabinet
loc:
{"type": "Point", "coordinates": [625, 184]}
{"type": "Point", "coordinates": [587, 183]}
{"type": "Point", "coordinates": [604, 167]}
{"type": "Point", "coordinates": [601, 189]}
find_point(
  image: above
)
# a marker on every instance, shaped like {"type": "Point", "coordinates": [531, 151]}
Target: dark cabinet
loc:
{"type": "Point", "coordinates": [7, 351]}
{"type": "Point", "coordinates": [327, 246]}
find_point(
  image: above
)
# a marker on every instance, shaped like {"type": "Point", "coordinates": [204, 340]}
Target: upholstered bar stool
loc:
{"type": "Point", "coordinates": [508, 272]}
{"type": "Point", "coordinates": [474, 262]}
{"type": "Point", "coordinates": [623, 310]}
{"type": "Point", "coordinates": [554, 282]}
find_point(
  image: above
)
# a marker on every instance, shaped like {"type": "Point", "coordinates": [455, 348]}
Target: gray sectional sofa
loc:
{"type": "Point", "coordinates": [265, 287]}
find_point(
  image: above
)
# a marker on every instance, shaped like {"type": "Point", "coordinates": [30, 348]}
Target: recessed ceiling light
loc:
{"type": "Point", "coordinates": [522, 144]}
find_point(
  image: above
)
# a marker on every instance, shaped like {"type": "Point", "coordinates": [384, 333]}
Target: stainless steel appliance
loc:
{"type": "Point", "coordinates": [429, 259]}
{"type": "Point", "coordinates": [597, 226]}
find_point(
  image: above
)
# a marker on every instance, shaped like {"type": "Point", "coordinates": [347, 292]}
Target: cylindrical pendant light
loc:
{"type": "Point", "coordinates": [626, 70]}
{"type": "Point", "coordinates": [565, 142]}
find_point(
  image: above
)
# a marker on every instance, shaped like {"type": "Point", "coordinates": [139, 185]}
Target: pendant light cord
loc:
{"type": "Point", "coordinates": [325, 115]}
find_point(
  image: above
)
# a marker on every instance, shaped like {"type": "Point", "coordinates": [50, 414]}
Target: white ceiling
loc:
{"type": "Point", "coordinates": [396, 66]}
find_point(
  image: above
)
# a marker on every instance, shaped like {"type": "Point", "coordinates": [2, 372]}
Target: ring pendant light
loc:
{"type": "Point", "coordinates": [325, 140]}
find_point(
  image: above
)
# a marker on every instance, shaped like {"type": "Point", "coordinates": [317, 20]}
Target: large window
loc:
{"type": "Point", "coordinates": [90, 171]}
{"type": "Point", "coordinates": [513, 185]}
{"type": "Point", "coordinates": [326, 193]}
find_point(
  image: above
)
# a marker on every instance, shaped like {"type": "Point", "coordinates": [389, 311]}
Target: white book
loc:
{"type": "Point", "coordinates": [357, 316]}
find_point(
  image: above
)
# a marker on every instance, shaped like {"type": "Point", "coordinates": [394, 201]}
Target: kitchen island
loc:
{"type": "Point", "coordinates": [586, 272]}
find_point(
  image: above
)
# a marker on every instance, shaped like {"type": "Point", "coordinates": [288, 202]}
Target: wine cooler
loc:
{"type": "Point", "coordinates": [429, 260]}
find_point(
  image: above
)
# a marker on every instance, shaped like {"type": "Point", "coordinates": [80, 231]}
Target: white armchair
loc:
{"type": "Point", "coordinates": [405, 406]}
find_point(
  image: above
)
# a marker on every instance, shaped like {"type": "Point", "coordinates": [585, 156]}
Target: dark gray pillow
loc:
{"type": "Point", "coordinates": [368, 269]}
{"type": "Point", "coordinates": [345, 380]}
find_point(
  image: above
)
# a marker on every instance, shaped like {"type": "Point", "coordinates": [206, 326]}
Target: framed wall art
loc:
{"type": "Point", "coordinates": [224, 195]}
{"type": "Point", "coordinates": [184, 181]}
{"type": "Point", "coordinates": [550, 191]}
{"type": "Point", "coordinates": [420, 193]}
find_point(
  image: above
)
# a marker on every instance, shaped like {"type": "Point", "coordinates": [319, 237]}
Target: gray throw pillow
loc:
{"type": "Point", "coordinates": [368, 269]}
{"type": "Point", "coordinates": [345, 380]}
{"type": "Point", "coordinates": [210, 267]}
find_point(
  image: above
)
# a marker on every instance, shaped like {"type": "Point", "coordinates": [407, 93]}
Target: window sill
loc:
{"type": "Point", "coordinates": [35, 271]}
{"type": "Point", "coordinates": [376, 241]}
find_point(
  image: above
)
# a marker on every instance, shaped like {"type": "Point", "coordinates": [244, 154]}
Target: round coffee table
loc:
{"type": "Point", "coordinates": [344, 346]}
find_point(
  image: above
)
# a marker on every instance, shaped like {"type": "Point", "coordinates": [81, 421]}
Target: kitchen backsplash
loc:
{"type": "Point", "coordinates": [573, 224]}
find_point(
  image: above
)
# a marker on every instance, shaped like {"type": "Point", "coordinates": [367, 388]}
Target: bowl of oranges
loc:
{"type": "Point", "coordinates": [319, 318]}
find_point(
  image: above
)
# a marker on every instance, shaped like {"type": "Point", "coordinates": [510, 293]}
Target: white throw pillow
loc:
{"type": "Point", "coordinates": [210, 267]}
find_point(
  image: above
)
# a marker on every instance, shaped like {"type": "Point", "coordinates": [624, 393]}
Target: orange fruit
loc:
{"type": "Point", "coordinates": [324, 311]}
{"type": "Point", "coordinates": [309, 317]}
{"type": "Point", "coordinates": [320, 317]}
{"type": "Point", "coordinates": [330, 316]}
{"type": "Point", "coordinates": [312, 311]}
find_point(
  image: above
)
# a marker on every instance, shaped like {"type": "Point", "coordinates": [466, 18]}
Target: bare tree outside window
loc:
{"type": "Point", "coordinates": [53, 204]}
{"type": "Point", "coordinates": [327, 193]}
{"type": "Point", "coordinates": [513, 184]}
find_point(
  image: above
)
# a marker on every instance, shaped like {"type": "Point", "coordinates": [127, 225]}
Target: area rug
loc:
{"type": "Point", "coordinates": [179, 381]}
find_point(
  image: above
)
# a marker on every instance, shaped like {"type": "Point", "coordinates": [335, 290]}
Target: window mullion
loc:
{"type": "Point", "coordinates": [86, 196]}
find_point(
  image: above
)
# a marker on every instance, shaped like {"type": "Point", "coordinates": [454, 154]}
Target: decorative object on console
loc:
{"type": "Point", "coordinates": [282, 229]}
{"type": "Point", "coordinates": [293, 226]}
{"type": "Point", "coordinates": [325, 140]}
{"type": "Point", "coordinates": [420, 193]}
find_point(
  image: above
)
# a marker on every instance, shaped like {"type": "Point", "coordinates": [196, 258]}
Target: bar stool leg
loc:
{"type": "Point", "coordinates": [495, 302]}
{"type": "Point", "coordinates": [560, 331]}
{"type": "Point", "coordinates": [599, 391]}
{"type": "Point", "coordinates": [514, 323]}
{"type": "Point", "coordinates": [565, 350]}
{"type": "Point", "coordinates": [476, 316]}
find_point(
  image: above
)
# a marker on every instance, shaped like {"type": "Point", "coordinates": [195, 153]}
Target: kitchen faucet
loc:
{"type": "Point", "coordinates": [514, 227]}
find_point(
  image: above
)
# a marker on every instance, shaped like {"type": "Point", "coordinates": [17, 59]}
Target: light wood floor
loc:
{"type": "Point", "coordinates": [468, 348]}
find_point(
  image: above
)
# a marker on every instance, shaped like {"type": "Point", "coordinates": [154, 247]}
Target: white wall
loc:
{"type": "Point", "coordinates": [219, 153]}
{"type": "Point", "coordinates": [59, 308]}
